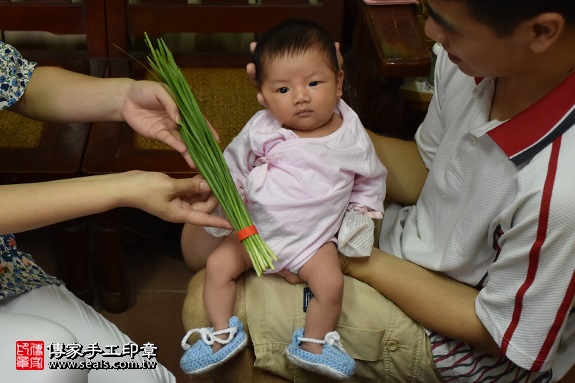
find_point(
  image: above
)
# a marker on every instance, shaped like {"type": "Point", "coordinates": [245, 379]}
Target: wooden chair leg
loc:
{"type": "Point", "coordinates": [72, 239]}
{"type": "Point", "coordinates": [108, 247]}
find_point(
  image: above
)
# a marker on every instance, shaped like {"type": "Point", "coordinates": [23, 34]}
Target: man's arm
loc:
{"type": "Point", "coordinates": [406, 172]}
{"type": "Point", "coordinates": [437, 302]}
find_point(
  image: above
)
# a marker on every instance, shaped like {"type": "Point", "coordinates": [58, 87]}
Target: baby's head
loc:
{"type": "Point", "coordinates": [298, 76]}
{"type": "Point", "coordinates": [292, 38]}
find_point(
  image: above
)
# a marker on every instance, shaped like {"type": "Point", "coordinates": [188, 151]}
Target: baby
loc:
{"type": "Point", "coordinates": [302, 164]}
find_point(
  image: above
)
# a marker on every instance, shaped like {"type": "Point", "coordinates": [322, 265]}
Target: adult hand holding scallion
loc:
{"type": "Point", "coordinates": [207, 155]}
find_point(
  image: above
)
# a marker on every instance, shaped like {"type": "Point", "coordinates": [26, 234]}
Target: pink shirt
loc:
{"type": "Point", "coordinates": [297, 189]}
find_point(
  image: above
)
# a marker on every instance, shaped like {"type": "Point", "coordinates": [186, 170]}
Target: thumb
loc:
{"type": "Point", "coordinates": [343, 263]}
{"type": "Point", "coordinates": [166, 99]}
{"type": "Point", "coordinates": [194, 185]}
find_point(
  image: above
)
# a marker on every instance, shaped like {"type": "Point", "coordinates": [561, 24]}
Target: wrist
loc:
{"type": "Point", "coordinates": [120, 189]}
{"type": "Point", "coordinates": [357, 267]}
{"type": "Point", "coordinates": [120, 91]}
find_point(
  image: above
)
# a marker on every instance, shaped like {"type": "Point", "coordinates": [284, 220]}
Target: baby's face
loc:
{"type": "Point", "coordinates": [302, 91]}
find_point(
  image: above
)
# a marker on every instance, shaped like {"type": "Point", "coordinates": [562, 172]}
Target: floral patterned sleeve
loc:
{"type": "Point", "coordinates": [15, 73]}
{"type": "Point", "coordinates": [18, 271]}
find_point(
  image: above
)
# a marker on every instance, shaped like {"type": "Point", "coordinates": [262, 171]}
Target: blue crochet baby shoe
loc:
{"type": "Point", "coordinates": [333, 361]}
{"type": "Point", "coordinates": [199, 358]}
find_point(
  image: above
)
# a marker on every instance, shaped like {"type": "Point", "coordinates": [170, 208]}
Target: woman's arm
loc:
{"type": "Point", "coordinates": [56, 94]}
{"type": "Point", "coordinates": [59, 95]}
{"type": "Point", "coordinates": [29, 206]}
{"type": "Point", "coordinates": [406, 172]}
{"type": "Point", "coordinates": [435, 301]}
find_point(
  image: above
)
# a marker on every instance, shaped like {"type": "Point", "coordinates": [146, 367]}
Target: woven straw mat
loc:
{"type": "Point", "coordinates": [226, 97]}
{"type": "Point", "coordinates": [19, 132]}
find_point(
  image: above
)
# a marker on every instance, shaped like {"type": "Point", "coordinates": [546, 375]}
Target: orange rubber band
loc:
{"type": "Point", "coordinates": [247, 232]}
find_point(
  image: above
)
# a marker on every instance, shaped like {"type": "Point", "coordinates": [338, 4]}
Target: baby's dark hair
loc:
{"type": "Point", "coordinates": [293, 37]}
{"type": "Point", "coordinates": [503, 16]}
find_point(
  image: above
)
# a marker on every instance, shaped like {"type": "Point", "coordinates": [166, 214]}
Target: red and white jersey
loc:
{"type": "Point", "coordinates": [497, 212]}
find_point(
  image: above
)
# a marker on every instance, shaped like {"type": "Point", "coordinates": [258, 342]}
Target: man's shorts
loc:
{"type": "Point", "coordinates": [386, 344]}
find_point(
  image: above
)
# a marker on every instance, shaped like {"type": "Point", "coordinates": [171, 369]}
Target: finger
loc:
{"type": "Point", "coordinates": [206, 203]}
{"type": "Point", "coordinates": [191, 186]}
{"type": "Point", "coordinates": [189, 160]}
{"type": "Point", "coordinates": [339, 55]}
{"type": "Point", "coordinates": [214, 132]}
{"type": "Point", "coordinates": [169, 139]}
{"type": "Point", "coordinates": [204, 219]}
{"type": "Point", "coordinates": [251, 70]}
{"type": "Point", "coordinates": [253, 46]}
{"type": "Point", "coordinates": [343, 262]}
{"type": "Point", "coordinates": [169, 104]}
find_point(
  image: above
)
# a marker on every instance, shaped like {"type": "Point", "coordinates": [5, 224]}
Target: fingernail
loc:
{"type": "Point", "coordinates": [204, 186]}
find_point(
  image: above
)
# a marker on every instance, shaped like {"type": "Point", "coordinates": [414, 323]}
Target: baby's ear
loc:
{"type": "Point", "coordinates": [339, 81]}
{"type": "Point", "coordinates": [261, 99]}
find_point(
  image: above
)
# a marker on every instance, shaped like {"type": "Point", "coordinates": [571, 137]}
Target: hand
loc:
{"type": "Point", "coordinates": [251, 69]}
{"type": "Point", "coordinates": [151, 111]}
{"type": "Point", "coordinates": [339, 56]}
{"type": "Point", "coordinates": [175, 200]}
{"type": "Point", "coordinates": [344, 263]}
{"type": "Point", "coordinates": [356, 267]}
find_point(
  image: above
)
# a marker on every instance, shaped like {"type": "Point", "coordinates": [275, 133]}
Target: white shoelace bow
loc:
{"type": "Point", "coordinates": [331, 338]}
{"type": "Point", "coordinates": [209, 336]}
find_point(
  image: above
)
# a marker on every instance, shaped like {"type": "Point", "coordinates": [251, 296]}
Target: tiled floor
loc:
{"type": "Point", "coordinates": [158, 280]}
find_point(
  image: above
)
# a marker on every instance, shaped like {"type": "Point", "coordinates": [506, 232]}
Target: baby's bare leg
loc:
{"type": "Point", "coordinates": [197, 245]}
{"type": "Point", "coordinates": [325, 279]}
{"type": "Point", "coordinates": [224, 265]}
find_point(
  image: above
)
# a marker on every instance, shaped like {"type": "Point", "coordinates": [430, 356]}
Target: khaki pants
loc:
{"type": "Point", "coordinates": [386, 344]}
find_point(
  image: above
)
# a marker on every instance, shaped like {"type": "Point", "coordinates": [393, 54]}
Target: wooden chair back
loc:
{"type": "Point", "coordinates": [60, 17]}
{"type": "Point", "coordinates": [127, 20]}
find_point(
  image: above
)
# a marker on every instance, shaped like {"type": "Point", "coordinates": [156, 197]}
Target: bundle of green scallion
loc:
{"type": "Point", "coordinates": [208, 157]}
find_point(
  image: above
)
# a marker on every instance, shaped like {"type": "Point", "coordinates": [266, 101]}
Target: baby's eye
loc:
{"type": "Point", "coordinates": [283, 90]}
{"type": "Point", "coordinates": [314, 83]}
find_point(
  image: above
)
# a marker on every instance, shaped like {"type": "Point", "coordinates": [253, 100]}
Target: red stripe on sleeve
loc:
{"type": "Point", "coordinates": [547, 192]}
{"type": "Point", "coordinates": [535, 251]}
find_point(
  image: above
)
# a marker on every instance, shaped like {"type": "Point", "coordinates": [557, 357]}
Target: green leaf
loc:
{"type": "Point", "coordinates": [206, 153]}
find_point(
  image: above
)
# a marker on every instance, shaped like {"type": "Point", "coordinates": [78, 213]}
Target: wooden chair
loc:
{"type": "Point", "coordinates": [32, 151]}
{"type": "Point", "coordinates": [384, 45]}
{"type": "Point", "coordinates": [61, 17]}
{"type": "Point", "coordinates": [129, 21]}
{"type": "Point", "coordinates": [115, 147]}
